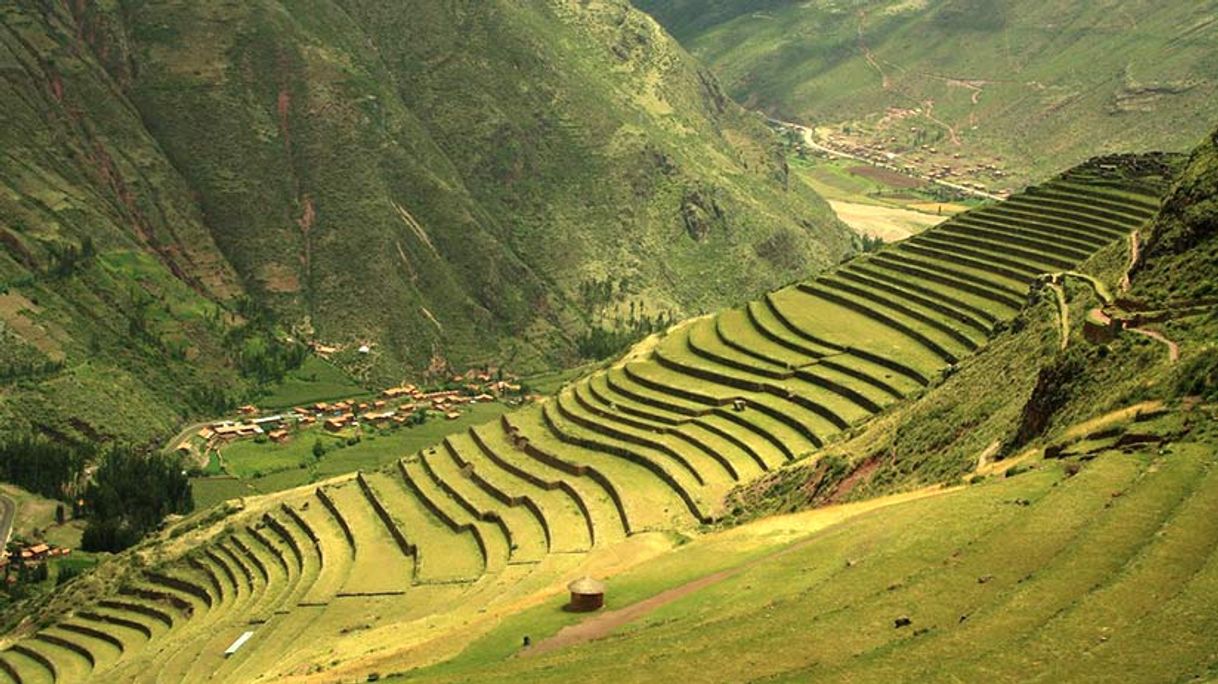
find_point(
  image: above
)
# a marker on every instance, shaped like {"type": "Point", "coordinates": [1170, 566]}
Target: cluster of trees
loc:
{"type": "Point", "coordinates": [130, 495]}
{"type": "Point", "coordinates": [68, 259]}
{"type": "Point", "coordinates": [212, 399]}
{"type": "Point", "coordinates": [870, 243]}
{"type": "Point", "coordinates": [601, 342]}
{"type": "Point", "coordinates": [47, 468]}
{"type": "Point", "coordinates": [258, 352]}
{"type": "Point", "coordinates": [595, 292]}
{"type": "Point", "coordinates": [24, 370]}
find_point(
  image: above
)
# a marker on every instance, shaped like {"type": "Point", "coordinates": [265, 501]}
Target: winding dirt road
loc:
{"type": "Point", "coordinates": [607, 622]}
{"type": "Point", "coordinates": [1173, 349]}
{"type": "Point", "coordinates": [810, 141]}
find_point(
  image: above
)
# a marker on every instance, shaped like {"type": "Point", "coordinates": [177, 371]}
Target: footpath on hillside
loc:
{"type": "Point", "coordinates": [607, 622]}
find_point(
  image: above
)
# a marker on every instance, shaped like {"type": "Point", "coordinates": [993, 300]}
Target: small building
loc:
{"type": "Point", "coordinates": [278, 436]}
{"type": "Point", "coordinates": [36, 552]}
{"type": "Point", "coordinates": [587, 595]}
{"type": "Point", "coordinates": [378, 417]}
{"type": "Point", "coordinates": [238, 430]}
{"type": "Point", "coordinates": [1100, 328]}
{"type": "Point", "coordinates": [395, 392]}
{"type": "Point", "coordinates": [248, 410]}
{"type": "Point", "coordinates": [337, 423]}
{"type": "Point", "coordinates": [452, 415]}
{"type": "Point", "coordinates": [184, 447]}
{"type": "Point", "coordinates": [484, 397]}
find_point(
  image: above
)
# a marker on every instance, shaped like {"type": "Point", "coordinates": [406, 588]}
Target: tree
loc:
{"type": "Point", "coordinates": [130, 495]}
{"type": "Point", "coordinates": [319, 449]}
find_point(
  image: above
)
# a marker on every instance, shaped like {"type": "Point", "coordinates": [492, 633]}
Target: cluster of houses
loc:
{"type": "Point", "coordinates": [29, 555]}
{"type": "Point", "coordinates": [396, 406]}
{"type": "Point", "coordinates": [919, 161]}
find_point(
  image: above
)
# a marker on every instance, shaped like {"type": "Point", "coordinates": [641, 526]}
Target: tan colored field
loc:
{"type": "Point", "coordinates": [945, 208]}
{"type": "Point", "coordinates": [889, 223]}
{"type": "Point", "coordinates": [16, 311]}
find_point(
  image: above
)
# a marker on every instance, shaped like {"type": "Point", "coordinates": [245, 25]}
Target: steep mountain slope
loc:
{"type": "Point", "coordinates": [405, 565]}
{"type": "Point", "coordinates": [1180, 259]}
{"type": "Point", "coordinates": [1029, 86]}
{"type": "Point", "coordinates": [445, 182]}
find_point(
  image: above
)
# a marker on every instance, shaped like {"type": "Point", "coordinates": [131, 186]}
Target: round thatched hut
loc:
{"type": "Point", "coordinates": [587, 595]}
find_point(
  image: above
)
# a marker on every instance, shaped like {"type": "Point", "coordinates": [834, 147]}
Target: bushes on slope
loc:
{"type": "Point", "coordinates": [130, 495]}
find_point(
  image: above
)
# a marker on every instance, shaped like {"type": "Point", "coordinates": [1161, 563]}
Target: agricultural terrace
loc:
{"type": "Point", "coordinates": [357, 570]}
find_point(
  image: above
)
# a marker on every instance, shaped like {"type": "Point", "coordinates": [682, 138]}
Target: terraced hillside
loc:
{"type": "Point", "coordinates": [366, 567]}
{"type": "Point", "coordinates": [1095, 571]}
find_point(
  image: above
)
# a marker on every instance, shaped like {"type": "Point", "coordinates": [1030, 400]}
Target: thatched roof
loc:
{"type": "Point", "coordinates": [586, 586]}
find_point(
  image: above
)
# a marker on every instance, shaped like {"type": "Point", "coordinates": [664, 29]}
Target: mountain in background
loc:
{"type": "Point", "coordinates": [192, 190]}
{"type": "Point", "coordinates": [1029, 87]}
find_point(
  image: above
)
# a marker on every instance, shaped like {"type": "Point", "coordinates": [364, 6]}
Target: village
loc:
{"type": "Point", "coordinates": [26, 562]}
{"type": "Point", "coordinates": [403, 405]}
{"type": "Point", "coordinates": [913, 158]}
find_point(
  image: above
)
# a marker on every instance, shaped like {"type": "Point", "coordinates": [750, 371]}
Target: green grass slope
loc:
{"type": "Point", "coordinates": [1039, 85]}
{"type": "Point", "coordinates": [109, 277]}
{"type": "Point", "coordinates": [411, 562]}
{"type": "Point", "coordinates": [1103, 575]}
{"type": "Point", "coordinates": [445, 184]}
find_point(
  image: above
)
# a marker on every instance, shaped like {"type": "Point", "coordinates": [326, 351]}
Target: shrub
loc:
{"type": "Point", "coordinates": [1016, 470]}
{"type": "Point", "coordinates": [1199, 377]}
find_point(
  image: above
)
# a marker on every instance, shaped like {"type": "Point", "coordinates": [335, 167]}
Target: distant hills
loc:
{"type": "Point", "coordinates": [189, 186]}
{"type": "Point", "coordinates": [1031, 86]}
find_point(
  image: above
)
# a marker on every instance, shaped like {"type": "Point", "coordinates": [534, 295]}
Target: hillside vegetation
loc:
{"type": "Point", "coordinates": [188, 186]}
{"type": "Point", "coordinates": [460, 548]}
{"type": "Point", "coordinates": [1028, 85]}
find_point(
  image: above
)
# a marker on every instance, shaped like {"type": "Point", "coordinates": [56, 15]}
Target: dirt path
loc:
{"type": "Point", "coordinates": [1135, 250]}
{"type": "Point", "coordinates": [886, 82]}
{"type": "Point", "coordinates": [1063, 313]}
{"type": "Point", "coordinates": [1173, 349]}
{"type": "Point", "coordinates": [603, 624]}
{"type": "Point", "coordinates": [607, 622]}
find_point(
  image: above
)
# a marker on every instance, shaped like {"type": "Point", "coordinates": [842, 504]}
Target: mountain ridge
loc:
{"type": "Point", "coordinates": [441, 187]}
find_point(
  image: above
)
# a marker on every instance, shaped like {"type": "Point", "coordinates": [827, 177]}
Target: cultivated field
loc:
{"type": "Point", "coordinates": [407, 563]}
